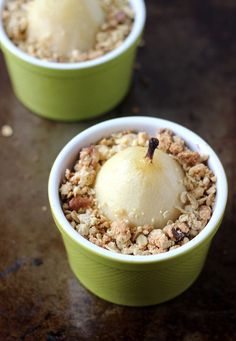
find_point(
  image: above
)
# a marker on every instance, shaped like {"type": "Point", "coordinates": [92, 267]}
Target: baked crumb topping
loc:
{"type": "Point", "coordinates": [117, 26]}
{"type": "Point", "coordinates": [81, 208]}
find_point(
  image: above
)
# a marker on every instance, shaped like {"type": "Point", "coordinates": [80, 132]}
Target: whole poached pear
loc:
{"type": "Point", "coordinates": [140, 186]}
{"type": "Point", "coordinates": [64, 25]}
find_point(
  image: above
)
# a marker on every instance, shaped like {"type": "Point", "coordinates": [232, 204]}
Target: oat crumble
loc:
{"type": "Point", "coordinates": [81, 208]}
{"type": "Point", "coordinates": [118, 24]}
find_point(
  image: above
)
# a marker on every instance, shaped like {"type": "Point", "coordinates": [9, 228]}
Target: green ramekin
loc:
{"type": "Point", "coordinates": [73, 91]}
{"type": "Point", "coordinates": [125, 279]}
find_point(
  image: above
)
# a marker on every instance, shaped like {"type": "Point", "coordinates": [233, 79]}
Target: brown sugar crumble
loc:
{"type": "Point", "coordinates": [117, 26]}
{"type": "Point", "coordinates": [81, 208]}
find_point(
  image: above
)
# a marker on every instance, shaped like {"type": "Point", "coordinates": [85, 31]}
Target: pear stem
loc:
{"type": "Point", "coordinates": [153, 144]}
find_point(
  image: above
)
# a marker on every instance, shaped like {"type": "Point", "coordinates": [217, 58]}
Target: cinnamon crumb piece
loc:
{"type": "Point", "coordinates": [188, 157]}
{"type": "Point", "coordinates": [79, 202]}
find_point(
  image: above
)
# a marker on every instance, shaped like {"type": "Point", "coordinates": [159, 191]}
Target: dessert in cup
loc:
{"type": "Point", "coordinates": [138, 201]}
{"type": "Point", "coordinates": [70, 60]}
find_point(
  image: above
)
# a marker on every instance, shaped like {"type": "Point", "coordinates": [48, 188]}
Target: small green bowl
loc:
{"type": "Point", "coordinates": [125, 279]}
{"type": "Point", "coordinates": [73, 91]}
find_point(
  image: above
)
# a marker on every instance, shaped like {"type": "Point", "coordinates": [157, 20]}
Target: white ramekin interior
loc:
{"type": "Point", "coordinates": [140, 16]}
{"type": "Point", "coordinates": [69, 153]}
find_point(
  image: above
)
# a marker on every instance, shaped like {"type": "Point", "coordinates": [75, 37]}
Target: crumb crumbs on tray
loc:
{"type": "Point", "coordinates": [6, 131]}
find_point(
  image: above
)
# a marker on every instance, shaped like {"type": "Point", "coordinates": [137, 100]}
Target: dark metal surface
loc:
{"type": "Point", "coordinates": [185, 73]}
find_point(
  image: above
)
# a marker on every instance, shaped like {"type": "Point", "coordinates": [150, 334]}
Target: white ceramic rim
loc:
{"type": "Point", "coordinates": [143, 123]}
{"type": "Point", "coordinates": [140, 17]}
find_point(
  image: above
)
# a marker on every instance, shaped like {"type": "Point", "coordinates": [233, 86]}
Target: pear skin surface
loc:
{"type": "Point", "coordinates": [132, 187]}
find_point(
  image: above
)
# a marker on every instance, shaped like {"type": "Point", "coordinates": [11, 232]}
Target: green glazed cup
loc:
{"type": "Point", "coordinates": [125, 279]}
{"type": "Point", "coordinates": [73, 91]}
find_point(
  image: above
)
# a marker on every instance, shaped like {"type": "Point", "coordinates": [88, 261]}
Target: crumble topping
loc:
{"type": "Point", "coordinates": [117, 26]}
{"type": "Point", "coordinates": [81, 208]}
